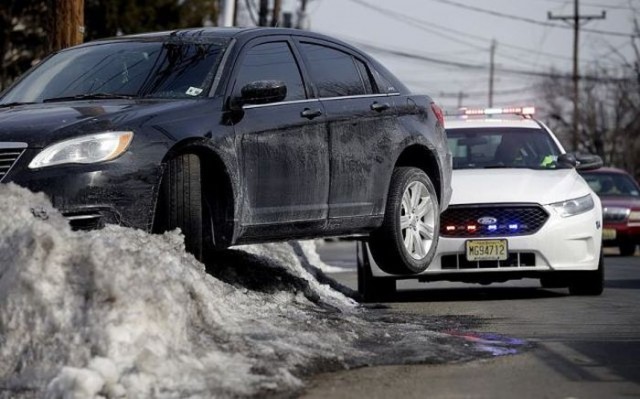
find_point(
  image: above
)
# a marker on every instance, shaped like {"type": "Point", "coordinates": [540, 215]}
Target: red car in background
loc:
{"type": "Point", "coordinates": [620, 196]}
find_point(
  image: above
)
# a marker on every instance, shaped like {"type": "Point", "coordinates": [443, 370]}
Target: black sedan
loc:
{"type": "Point", "coordinates": [234, 136]}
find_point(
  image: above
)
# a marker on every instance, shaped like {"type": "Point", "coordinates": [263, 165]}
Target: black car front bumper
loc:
{"type": "Point", "coordinates": [120, 192]}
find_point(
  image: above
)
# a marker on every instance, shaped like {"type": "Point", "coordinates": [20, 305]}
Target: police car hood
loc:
{"type": "Point", "coordinates": [545, 186]}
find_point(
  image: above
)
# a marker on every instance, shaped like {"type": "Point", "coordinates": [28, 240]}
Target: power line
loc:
{"type": "Point", "coordinates": [525, 19]}
{"type": "Point", "coordinates": [468, 66]}
{"type": "Point", "coordinates": [480, 93]}
{"type": "Point", "coordinates": [428, 26]}
{"type": "Point", "coordinates": [609, 6]}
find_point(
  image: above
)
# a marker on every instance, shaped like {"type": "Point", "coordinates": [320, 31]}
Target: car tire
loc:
{"type": "Point", "coordinates": [180, 202]}
{"type": "Point", "coordinates": [407, 240]}
{"type": "Point", "coordinates": [553, 281]}
{"type": "Point", "coordinates": [590, 282]}
{"type": "Point", "coordinates": [627, 249]}
{"type": "Point", "coordinates": [370, 288]}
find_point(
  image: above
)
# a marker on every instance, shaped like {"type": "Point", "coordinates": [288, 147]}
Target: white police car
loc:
{"type": "Point", "coordinates": [519, 209]}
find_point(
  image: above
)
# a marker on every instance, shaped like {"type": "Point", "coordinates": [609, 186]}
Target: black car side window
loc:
{"type": "Point", "coordinates": [271, 61]}
{"type": "Point", "coordinates": [369, 85]}
{"type": "Point", "coordinates": [384, 86]}
{"type": "Point", "coordinates": [334, 72]}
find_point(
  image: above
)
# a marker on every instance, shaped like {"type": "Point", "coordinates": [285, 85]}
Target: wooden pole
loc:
{"type": "Point", "coordinates": [275, 15]}
{"type": "Point", "coordinates": [68, 23]}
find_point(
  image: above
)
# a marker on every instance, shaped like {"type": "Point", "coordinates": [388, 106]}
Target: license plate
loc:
{"type": "Point", "coordinates": [487, 250]}
{"type": "Point", "coordinates": [608, 234]}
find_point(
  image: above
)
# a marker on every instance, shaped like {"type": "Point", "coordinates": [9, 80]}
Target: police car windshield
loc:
{"type": "Point", "coordinates": [491, 147]}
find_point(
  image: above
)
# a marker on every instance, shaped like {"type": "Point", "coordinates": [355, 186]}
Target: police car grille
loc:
{"type": "Point", "coordinates": [510, 220]}
{"type": "Point", "coordinates": [8, 157]}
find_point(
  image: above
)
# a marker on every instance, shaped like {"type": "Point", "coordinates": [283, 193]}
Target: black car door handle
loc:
{"type": "Point", "coordinates": [376, 106]}
{"type": "Point", "coordinates": [310, 113]}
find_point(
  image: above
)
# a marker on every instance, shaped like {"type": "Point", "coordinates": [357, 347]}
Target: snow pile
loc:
{"type": "Point", "coordinates": [120, 313]}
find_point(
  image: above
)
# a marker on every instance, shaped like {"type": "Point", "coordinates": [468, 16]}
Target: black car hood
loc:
{"type": "Point", "coordinates": [39, 125]}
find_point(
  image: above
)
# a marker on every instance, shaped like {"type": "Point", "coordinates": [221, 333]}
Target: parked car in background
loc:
{"type": "Point", "coordinates": [620, 196]}
{"type": "Point", "coordinates": [234, 136]}
{"type": "Point", "coordinates": [519, 210]}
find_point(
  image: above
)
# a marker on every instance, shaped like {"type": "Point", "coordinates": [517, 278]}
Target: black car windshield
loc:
{"type": "Point", "coordinates": [121, 69]}
{"type": "Point", "coordinates": [612, 184]}
{"type": "Point", "coordinates": [490, 147]}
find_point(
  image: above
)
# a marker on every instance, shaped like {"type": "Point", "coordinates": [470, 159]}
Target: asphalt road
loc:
{"type": "Point", "coordinates": [583, 347]}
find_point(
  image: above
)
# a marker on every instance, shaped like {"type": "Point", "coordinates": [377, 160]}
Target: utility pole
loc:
{"type": "Point", "coordinates": [68, 23]}
{"type": "Point", "coordinates": [275, 14]}
{"type": "Point", "coordinates": [576, 19]}
{"type": "Point", "coordinates": [491, 72]}
{"type": "Point", "coordinates": [263, 13]}
{"type": "Point", "coordinates": [302, 15]}
{"type": "Point", "coordinates": [228, 13]}
{"type": "Point", "coordinates": [459, 95]}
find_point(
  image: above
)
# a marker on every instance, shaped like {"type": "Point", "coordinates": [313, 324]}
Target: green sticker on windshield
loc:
{"type": "Point", "coordinates": [194, 91]}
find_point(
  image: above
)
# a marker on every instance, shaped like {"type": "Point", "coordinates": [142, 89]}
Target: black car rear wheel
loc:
{"type": "Point", "coordinates": [180, 202]}
{"type": "Point", "coordinates": [406, 242]}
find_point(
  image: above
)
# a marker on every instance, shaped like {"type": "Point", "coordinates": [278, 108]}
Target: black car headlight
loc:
{"type": "Point", "coordinates": [574, 206]}
{"type": "Point", "coordinates": [84, 150]}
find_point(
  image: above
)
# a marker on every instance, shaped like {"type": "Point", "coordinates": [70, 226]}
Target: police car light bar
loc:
{"type": "Point", "coordinates": [498, 111]}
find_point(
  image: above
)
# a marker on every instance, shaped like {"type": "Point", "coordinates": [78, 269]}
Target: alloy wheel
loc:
{"type": "Point", "coordinates": [417, 220]}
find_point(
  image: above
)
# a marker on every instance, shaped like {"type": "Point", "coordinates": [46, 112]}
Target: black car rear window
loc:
{"type": "Point", "coordinates": [334, 72]}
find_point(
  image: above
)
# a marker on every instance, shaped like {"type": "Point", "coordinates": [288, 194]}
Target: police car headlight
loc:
{"type": "Point", "coordinates": [83, 150]}
{"type": "Point", "coordinates": [574, 206]}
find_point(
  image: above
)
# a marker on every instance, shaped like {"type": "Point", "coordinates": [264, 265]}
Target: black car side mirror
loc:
{"type": "Point", "coordinates": [260, 92]}
{"type": "Point", "coordinates": [588, 162]}
{"type": "Point", "coordinates": [580, 162]}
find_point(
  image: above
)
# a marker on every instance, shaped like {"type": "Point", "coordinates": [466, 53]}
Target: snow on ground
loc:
{"type": "Point", "coordinates": [119, 313]}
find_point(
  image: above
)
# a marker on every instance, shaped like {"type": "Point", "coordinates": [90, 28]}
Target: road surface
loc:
{"type": "Point", "coordinates": [583, 347]}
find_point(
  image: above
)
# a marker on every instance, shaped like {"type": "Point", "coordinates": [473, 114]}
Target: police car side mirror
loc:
{"type": "Point", "coordinates": [567, 160]}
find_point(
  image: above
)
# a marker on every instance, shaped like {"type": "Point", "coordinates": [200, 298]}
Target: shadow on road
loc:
{"type": "Point", "coordinates": [475, 294]}
{"type": "Point", "coordinates": [624, 284]}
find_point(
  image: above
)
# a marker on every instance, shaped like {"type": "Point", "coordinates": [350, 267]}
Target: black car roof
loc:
{"type": "Point", "coordinates": [205, 33]}
{"type": "Point", "coordinates": [233, 32]}
{"type": "Point", "coordinates": [245, 34]}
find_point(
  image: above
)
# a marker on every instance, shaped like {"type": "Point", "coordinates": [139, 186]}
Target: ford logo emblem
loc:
{"type": "Point", "coordinates": [487, 220]}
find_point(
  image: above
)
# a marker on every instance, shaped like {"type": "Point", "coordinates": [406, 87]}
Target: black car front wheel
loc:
{"type": "Point", "coordinates": [180, 202]}
{"type": "Point", "coordinates": [407, 241]}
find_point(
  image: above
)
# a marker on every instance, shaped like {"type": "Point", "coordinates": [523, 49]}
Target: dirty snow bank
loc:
{"type": "Point", "coordinates": [120, 313]}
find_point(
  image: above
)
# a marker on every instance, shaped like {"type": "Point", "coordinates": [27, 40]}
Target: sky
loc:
{"type": "Point", "coordinates": [459, 40]}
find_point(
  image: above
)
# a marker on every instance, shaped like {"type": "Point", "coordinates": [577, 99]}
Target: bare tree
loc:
{"type": "Point", "coordinates": [609, 124]}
